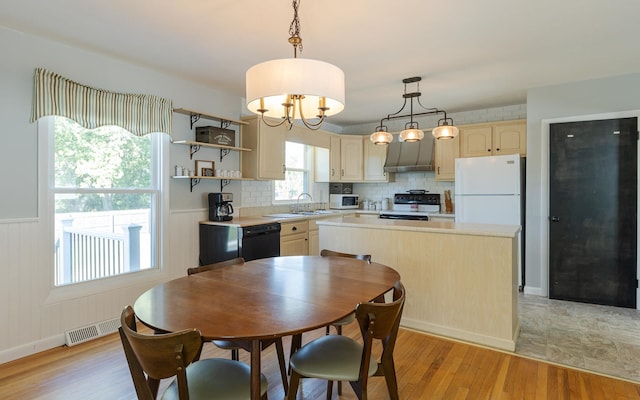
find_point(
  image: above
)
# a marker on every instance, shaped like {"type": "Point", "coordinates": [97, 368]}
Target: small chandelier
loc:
{"type": "Point", "coordinates": [295, 88]}
{"type": "Point", "coordinates": [412, 131]}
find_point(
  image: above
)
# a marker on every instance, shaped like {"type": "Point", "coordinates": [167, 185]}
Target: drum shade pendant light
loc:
{"type": "Point", "coordinates": [412, 131]}
{"type": "Point", "coordinates": [295, 88]}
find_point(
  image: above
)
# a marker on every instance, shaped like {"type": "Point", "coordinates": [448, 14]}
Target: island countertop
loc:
{"type": "Point", "coordinates": [509, 231]}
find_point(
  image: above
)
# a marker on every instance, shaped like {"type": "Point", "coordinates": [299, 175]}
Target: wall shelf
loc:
{"type": "Point", "coordinates": [195, 146]}
{"type": "Point", "coordinates": [196, 115]}
{"type": "Point", "coordinates": [195, 180]}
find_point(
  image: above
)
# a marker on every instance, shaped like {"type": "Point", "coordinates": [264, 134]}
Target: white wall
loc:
{"type": "Point", "coordinates": [567, 101]}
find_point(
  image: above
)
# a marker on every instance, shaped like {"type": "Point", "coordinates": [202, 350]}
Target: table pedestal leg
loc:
{"type": "Point", "coordinates": [255, 370]}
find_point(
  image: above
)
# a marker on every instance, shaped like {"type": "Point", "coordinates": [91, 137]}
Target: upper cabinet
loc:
{"type": "Point", "coordinates": [446, 153]}
{"type": "Point", "coordinates": [342, 162]}
{"type": "Point", "coordinates": [267, 160]}
{"type": "Point", "coordinates": [493, 139]}
{"type": "Point", "coordinates": [374, 159]}
{"type": "Point", "coordinates": [351, 158]}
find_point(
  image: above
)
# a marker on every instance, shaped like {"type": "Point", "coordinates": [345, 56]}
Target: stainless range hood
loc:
{"type": "Point", "coordinates": [408, 157]}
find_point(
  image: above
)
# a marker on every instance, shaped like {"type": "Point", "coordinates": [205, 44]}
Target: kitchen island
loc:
{"type": "Point", "coordinates": [461, 279]}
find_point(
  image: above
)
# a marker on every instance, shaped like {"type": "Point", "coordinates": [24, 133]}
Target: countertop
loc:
{"type": "Point", "coordinates": [425, 226]}
{"type": "Point", "coordinates": [242, 222]}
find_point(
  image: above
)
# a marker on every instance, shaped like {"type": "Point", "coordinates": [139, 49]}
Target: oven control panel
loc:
{"type": "Point", "coordinates": [422, 198]}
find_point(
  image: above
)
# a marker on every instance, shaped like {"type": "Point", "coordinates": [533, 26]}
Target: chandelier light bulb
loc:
{"type": "Point", "coordinates": [411, 135]}
{"type": "Point", "coordinates": [381, 137]}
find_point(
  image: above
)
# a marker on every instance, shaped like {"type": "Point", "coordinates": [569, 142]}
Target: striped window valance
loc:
{"type": "Point", "coordinates": [139, 114]}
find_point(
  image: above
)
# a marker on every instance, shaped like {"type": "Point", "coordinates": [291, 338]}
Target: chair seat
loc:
{"type": "Point", "coordinates": [219, 377]}
{"type": "Point", "coordinates": [345, 321]}
{"type": "Point", "coordinates": [332, 357]}
{"type": "Point", "coordinates": [226, 344]}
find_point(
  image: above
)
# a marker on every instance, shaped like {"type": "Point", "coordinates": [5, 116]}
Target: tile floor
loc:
{"type": "Point", "coordinates": [592, 337]}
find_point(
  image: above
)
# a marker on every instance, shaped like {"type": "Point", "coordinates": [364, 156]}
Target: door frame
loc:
{"type": "Point", "coordinates": [544, 192]}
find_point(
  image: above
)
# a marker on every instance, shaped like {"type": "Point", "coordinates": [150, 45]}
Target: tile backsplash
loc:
{"type": "Point", "coordinates": [404, 181]}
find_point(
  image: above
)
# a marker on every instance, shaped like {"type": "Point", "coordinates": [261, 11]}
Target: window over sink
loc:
{"type": "Point", "coordinates": [299, 167]}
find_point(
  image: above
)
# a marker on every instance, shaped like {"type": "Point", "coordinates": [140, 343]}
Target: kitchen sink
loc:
{"type": "Point", "coordinates": [283, 215]}
{"type": "Point", "coordinates": [301, 214]}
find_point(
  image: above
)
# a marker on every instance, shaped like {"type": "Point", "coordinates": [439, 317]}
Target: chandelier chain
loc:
{"type": "Point", "coordinates": [294, 30]}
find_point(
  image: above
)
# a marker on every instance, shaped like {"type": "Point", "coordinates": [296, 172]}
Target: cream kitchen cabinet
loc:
{"type": "Point", "coordinates": [351, 158]}
{"type": "Point", "coordinates": [334, 159]}
{"type": "Point", "coordinates": [294, 239]}
{"type": "Point", "coordinates": [493, 139]}
{"type": "Point", "coordinates": [266, 161]}
{"type": "Point", "coordinates": [314, 238]}
{"type": "Point", "coordinates": [345, 163]}
{"type": "Point", "coordinates": [374, 158]}
{"type": "Point", "coordinates": [446, 152]}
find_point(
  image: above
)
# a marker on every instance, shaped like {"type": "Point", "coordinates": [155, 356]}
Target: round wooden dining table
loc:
{"type": "Point", "coordinates": [264, 299]}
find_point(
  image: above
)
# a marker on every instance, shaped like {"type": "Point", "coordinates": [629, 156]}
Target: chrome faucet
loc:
{"type": "Point", "coordinates": [299, 196]}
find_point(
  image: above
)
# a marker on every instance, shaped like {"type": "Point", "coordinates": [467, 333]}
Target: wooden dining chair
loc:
{"type": "Point", "coordinates": [235, 345]}
{"type": "Point", "coordinates": [340, 358]}
{"type": "Point", "coordinates": [351, 317]}
{"type": "Point", "coordinates": [152, 358]}
{"type": "Point", "coordinates": [296, 340]}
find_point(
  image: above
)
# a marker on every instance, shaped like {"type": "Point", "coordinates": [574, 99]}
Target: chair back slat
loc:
{"type": "Point", "coordinates": [209, 267]}
{"type": "Point", "coordinates": [331, 253]}
{"type": "Point", "coordinates": [380, 319]}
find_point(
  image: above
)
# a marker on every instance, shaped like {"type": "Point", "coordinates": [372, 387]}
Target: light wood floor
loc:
{"type": "Point", "coordinates": [427, 367]}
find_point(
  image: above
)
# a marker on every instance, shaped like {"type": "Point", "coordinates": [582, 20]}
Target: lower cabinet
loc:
{"type": "Point", "coordinates": [294, 240]}
{"type": "Point", "coordinates": [314, 238]}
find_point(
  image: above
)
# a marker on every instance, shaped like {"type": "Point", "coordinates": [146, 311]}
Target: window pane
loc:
{"type": "Point", "coordinates": [106, 157]}
{"type": "Point", "coordinates": [292, 186]}
{"type": "Point", "coordinates": [104, 202]}
{"type": "Point", "coordinates": [295, 155]}
{"type": "Point", "coordinates": [94, 240]}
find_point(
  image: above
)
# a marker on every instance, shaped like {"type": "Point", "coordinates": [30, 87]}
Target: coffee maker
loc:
{"type": "Point", "coordinates": [220, 208]}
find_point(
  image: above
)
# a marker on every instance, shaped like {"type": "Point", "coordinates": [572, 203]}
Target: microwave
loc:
{"type": "Point", "coordinates": [343, 201]}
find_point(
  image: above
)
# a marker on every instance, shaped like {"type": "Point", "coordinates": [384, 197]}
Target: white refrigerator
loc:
{"type": "Point", "coordinates": [490, 190]}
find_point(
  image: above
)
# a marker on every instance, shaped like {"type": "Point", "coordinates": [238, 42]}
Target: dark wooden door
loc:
{"type": "Point", "coordinates": [593, 211]}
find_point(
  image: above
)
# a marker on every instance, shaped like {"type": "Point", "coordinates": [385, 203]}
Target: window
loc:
{"type": "Point", "coordinates": [105, 196]}
{"type": "Point", "coordinates": [298, 165]}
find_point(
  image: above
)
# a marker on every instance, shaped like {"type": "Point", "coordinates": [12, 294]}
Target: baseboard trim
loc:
{"type": "Point", "coordinates": [28, 349]}
{"type": "Point", "coordinates": [535, 291]}
{"type": "Point", "coordinates": [459, 334]}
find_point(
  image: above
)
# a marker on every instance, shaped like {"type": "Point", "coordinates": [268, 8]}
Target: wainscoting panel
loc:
{"type": "Point", "coordinates": [35, 315]}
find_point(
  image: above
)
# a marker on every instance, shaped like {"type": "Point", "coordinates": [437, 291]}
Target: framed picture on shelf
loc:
{"type": "Point", "coordinates": [208, 172]}
{"type": "Point", "coordinates": [203, 164]}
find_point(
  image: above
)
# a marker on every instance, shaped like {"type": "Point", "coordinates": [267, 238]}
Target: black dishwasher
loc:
{"type": "Point", "coordinates": [223, 242]}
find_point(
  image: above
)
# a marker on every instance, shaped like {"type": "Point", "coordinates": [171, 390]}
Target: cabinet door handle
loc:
{"type": "Point", "coordinates": [284, 168]}
{"type": "Point", "coordinates": [342, 172]}
{"type": "Point", "coordinates": [333, 172]}
{"type": "Point", "coordinates": [294, 229]}
{"type": "Point", "coordinates": [489, 150]}
{"type": "Point", "coordinates": [438, 170]}
{"type": "Point", "coordinates": [498, 149]}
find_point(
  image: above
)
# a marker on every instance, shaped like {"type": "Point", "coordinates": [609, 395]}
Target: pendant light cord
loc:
{"type": "Point", "coordinates": [294, 30]}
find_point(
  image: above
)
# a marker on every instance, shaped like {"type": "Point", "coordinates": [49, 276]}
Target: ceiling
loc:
{"type": "Point", "coordinates": [470, 54]}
